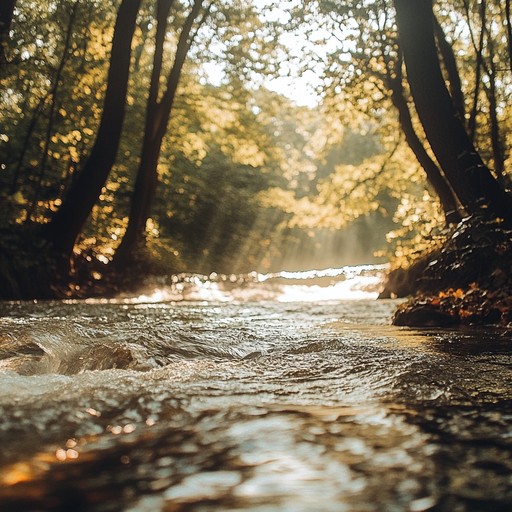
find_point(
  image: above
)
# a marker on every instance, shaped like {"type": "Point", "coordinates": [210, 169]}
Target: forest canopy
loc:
{"type": "Point", "coordinates": [158, 135]}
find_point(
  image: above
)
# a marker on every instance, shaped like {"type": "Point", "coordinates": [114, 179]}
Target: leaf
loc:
{"type": "Point", "coordinates": [459, 293]}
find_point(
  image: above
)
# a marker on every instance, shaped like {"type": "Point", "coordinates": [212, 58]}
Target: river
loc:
{"type": "Point", "coordinates": [279, 392]}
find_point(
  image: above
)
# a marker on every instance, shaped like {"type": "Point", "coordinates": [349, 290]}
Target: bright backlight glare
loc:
{"type": "Point", "coordinates": [299, 85]}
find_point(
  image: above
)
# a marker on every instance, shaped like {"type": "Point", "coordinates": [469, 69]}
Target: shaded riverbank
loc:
{"type": "Point", "coordinates": [463, 281]}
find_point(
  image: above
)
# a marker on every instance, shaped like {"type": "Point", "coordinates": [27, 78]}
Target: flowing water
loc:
{"type": "Point", "coordinates": [261, 393]}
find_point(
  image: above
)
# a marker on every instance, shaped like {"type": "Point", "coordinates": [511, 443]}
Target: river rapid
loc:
{"type": "Point", "coordinates": [284, 392]}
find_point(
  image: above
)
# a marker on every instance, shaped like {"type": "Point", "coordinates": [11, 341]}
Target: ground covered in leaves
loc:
{"type": "Point", "coordinates": [466, 281]}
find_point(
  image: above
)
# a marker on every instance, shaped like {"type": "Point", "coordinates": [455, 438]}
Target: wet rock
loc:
{"type": "Point", "coordinates": [424, 315]}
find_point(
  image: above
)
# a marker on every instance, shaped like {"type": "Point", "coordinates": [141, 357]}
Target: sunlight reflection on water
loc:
{"type": "Point", "coordinates": [345, 283]}
{"type": "Point", "coordinates": [357, 288]}
{"type": "Point", "coordinates": [256, 406]}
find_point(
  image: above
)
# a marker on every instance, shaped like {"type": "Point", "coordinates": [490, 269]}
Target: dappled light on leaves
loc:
{"type": "Point", "coordinates": [250, 175]}
{"type": "Point", "coordinates": [201, 201]}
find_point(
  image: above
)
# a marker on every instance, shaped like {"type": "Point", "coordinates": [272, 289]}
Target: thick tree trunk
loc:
{"type": "Point", "coordinates": [146, 178]}
{"type": "Point", "coordinates": [157, 120]}
{"type": "Point", "coordinates": [140, 208]}
{"type": "Point", "coordinates": [470, 179]}
{"type": "Point", "coordinates": [69, 220]}
{"type": "Point", "coordinates": [393, 79]}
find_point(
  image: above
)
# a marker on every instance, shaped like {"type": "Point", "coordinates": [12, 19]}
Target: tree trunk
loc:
{"type": "Point", "coordinates": [479, 50]}
{"type": "Point", "coordinates": [26, 143]}
{"type": "Point", "coordinates": [157, 120]}
{"type": "Point", "coordinates": [434, 175]}
{"type": "Point", "coordinates": [393, 79]}
{"type": "Point", "coordinates": [6, 15]}
{"type": "Point", "coordinates": [496, 138]}
{"type": "Point", "coordinates": [452, 70]}
{"type": "Point", "coordinates": [469, 178]}
{"type": "Point", "coordinates": [66, 225]}
{"type": "Point", "coordinates": [509, 32]}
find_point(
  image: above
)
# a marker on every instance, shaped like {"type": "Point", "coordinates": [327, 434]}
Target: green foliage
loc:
{"type": "Point", "coordinates": [247, 178]}
{"type": "Point", "coordinates": [52, 101]}
{"type": "Point", "coordinates": [361, 61]}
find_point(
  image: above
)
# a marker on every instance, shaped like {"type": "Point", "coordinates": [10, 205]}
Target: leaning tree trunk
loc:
{"type": "Point", "coordinates": [452, 71]}
{"type": "Point", "coordinates": [394, 81]}
{"type": "Point", "coordinates": [434, 175]}
{"type": "Point", "coordinates": [157, 120]}
{"type": "Point", "coordinates": [470, 179]}
{"type": "Point", "coordinates": [146, 177]}
{"type": "Point", "coordinates": [66, 225]}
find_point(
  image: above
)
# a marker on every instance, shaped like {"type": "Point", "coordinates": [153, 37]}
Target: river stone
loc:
{"type": "Point", "coordinates": [424, 315]}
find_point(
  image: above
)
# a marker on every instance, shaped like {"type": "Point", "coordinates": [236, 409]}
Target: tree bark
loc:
{"type": "Point", "coordinates": [67, 223]}
{"type": "Point", "coordinates": [393, 79]}
{"type": "Point", "coordinates": [470, 179]}
{"type": "Point", "coordinates": [157, 119]}
{"type": "Point", "coordinates": [434, 175]}
{"type": "Point", "coordinates": [452, 70]}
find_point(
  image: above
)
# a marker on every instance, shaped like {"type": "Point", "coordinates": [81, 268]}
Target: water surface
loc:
{"type": "Point", "coordinates": [231, 404]}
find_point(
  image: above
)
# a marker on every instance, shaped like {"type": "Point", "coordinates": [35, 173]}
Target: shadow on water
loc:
{"type": "Point", "coordinates": [243, 405]}
{"type": "Point", "coordinates": [462, 401]}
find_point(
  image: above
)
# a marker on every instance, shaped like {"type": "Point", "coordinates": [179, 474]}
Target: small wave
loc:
{"type": "Point", "coordinates": [73, 350]}
{"type": "Point", "coordinates": [70, 362]}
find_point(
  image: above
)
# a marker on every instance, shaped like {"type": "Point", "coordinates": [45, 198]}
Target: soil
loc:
{"type": "Point", "coordinates": [466, 281]}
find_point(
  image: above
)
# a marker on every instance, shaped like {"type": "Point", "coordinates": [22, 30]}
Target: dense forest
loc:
{"type": "Point", "coordinates": [152, 137]}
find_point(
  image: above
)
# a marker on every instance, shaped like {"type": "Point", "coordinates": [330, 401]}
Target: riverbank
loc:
{"type": "Point", "coordinates": [31, 270]}
{"type": "Point", "coordinates": [466, 281]}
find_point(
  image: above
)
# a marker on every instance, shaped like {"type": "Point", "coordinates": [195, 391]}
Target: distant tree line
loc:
{"type": "Point", "coordinates": [118, 152]}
